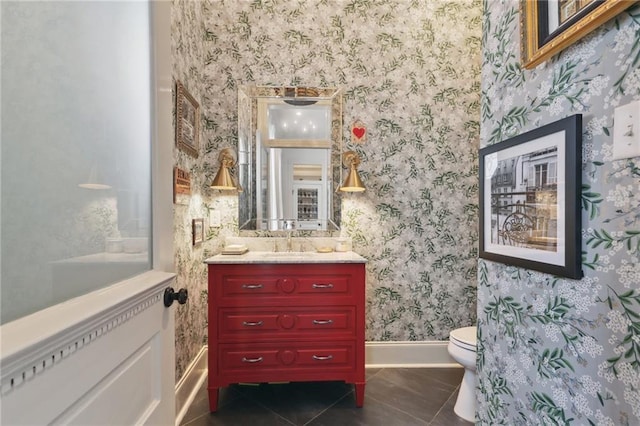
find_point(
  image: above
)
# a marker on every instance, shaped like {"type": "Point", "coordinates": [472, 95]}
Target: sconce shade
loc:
{"type": "Point", "coordinates": [352, 183]}
{"type": "Point", "coordinates": [224, 179]}
{"type": "Point", "coordinates": [94, 181]}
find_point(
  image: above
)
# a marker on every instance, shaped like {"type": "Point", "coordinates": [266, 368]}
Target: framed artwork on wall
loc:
{"type": "Point", "coordinates": [181, 184]}
{"type": "Point", "coordinates": [549, 26]}
{"type": "Point", "coordinates": [530, 199]}
{"type": "Point", "coordinates": [187, 121]}
{"type": "Point", "coordinates": [197, 231]}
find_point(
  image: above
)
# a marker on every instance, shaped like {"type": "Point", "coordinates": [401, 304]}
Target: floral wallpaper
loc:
{"type": "Point", "coordinates": [187, 24]}
{"type": "Point", "coordinates": [554, 350]}
{"type": "Point", "coordinates": [188, 50]}
{"type": "Point", "coordinates": [415, 86]}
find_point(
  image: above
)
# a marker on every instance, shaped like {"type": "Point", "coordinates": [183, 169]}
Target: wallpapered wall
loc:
{"type": "Point", "coordinates": [551, 350]}
{"type": "Point", "coordinates": [187, 27]}
{"type": "Point", "coordinates": [417, 89]}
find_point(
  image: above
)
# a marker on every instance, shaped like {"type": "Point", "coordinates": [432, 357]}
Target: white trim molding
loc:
{"type": "Point", "coordinates": [189, 384]}
{"type": "Point", "coordinates": [429, 354]}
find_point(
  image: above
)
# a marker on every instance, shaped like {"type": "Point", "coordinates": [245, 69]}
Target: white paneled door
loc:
{"type": "Point", "coordinates": [105, 357]}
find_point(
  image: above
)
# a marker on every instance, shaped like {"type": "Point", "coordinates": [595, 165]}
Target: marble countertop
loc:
{"type": "Point", "coordinates": [287, 257]}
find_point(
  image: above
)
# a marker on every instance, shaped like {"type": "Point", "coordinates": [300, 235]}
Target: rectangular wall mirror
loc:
{"type": "Point", "coordinates": [289, 147]}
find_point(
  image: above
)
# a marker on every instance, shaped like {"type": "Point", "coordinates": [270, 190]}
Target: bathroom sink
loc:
{"type": "Point", "coordinates": [295, 254]}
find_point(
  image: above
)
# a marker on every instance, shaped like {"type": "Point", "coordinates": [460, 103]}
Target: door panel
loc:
{"type": "Point", "coordinates": [114, 367]}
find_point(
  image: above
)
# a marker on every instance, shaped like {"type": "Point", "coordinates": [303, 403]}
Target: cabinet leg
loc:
{"type": "Point", "coordinates": [213, 399]}
{"type": "Point", "coordinates": [359, 394]}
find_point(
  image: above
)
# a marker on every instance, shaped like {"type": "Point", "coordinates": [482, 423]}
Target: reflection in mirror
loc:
{"type": "Point", "coordinates": [289, 145]}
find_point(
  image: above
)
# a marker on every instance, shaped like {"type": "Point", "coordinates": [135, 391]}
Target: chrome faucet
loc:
{"type": "Point", "coordinates": [289, 226]}
{"type": "Point", "coordinates": [289, 244]}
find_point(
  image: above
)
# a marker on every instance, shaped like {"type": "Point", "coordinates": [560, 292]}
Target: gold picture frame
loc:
{"type": "Point", "coordinates": [187, 121]}
{"type": "Point", "coordinates": [576, 18]}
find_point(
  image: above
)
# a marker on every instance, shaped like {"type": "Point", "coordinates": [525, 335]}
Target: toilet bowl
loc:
{"type": "Point", "coordinates": [462, 348]}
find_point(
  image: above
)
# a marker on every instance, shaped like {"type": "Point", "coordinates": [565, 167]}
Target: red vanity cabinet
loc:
{"type": "Point", "coordinates": [285, 322]}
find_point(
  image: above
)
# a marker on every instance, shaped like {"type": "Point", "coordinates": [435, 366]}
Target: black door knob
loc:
{"type": "Point", "coordinates": [170, 295]}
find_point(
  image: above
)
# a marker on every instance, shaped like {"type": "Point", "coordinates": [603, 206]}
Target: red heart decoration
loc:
{"type": "Point", "coordinates": [358, 132]}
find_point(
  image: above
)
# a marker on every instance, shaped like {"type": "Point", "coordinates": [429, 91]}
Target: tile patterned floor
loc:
{"type": "Point", "coordinates": [393, 397]}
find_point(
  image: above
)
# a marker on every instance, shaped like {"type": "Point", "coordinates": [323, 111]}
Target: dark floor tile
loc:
{"type": "Point", "coordinates": [449, 376]}
{"type": "Point", "coordinates": [200, 404]}
{"type": "Point", "coordinates": [370, 372]}
{"type": "Point", "coordinates": [395, 397]}
{"type": "Point", "coordinates": [344, 413]}
{"type": "Point", "coordinates": [421, 402]}
{"type": "Point", "coordinates": [296, 402]}
{"type": "Point", "coordinates": [447, 417]}
{"type": "Point", "coordinates": [241, 411]}
{"type": "Point", "coordinates": [423, 380]}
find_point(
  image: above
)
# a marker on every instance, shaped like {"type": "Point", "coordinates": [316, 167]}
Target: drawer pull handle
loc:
{"type": "Point", "coordinates": [252, 360]}
{"type": "Point", "coordinates": [251, 286]}
{"type": "Point", "coordinates": [252, 323]}
{"type": "Point", "coordinates": [322, 285]}
{"type": "Point", "coordinates": [323, 358]}
{"type": "Point", "coordinates": [322, 322]}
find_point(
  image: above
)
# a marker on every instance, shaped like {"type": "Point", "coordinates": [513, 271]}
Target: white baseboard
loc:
{"type": "Point", "coordinates": [188, 386]}
{"type": "Point", "coordinates": [431, 354]}
{"type": "Point", "coordinates": [377, 355]}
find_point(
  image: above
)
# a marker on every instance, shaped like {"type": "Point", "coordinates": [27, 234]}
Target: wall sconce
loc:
{"type": "Point", "coordinates": [224, 180]}
{"type": "Point", "coordinates": [352, 183]}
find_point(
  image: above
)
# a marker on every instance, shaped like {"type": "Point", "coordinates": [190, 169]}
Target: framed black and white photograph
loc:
{"type": "Point", "coordinates": [530, 199]}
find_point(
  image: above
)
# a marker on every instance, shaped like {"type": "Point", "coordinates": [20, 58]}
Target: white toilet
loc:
{"type": "Point", "coordinates": [462, 348]}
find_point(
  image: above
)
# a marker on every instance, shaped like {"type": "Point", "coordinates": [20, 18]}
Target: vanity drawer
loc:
{"type": "Point", "coordinates": [264, 323]}
{"type": "Point", "coordinates": [255, 285]}
{"type": "Point", "coordinates": [250, 285]}
{"type": "Point", "coordinates": [324, 284]}
{"type": "Point", "coordinates": [278, 356]}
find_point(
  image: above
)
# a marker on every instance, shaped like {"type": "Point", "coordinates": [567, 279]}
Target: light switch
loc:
{"type": "Point", "coordinates": [626, 131]}
{"type": "Point", "coordinates": [214, 218]}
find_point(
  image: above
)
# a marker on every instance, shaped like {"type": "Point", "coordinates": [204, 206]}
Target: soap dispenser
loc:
{"type": "Point", "coordinates": [342, 245]}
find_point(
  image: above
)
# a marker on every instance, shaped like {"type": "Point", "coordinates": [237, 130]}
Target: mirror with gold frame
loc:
{"type": "Point", "coordinates": [289, 147]}
{"type": "Point", "coordinates": [549, 26]}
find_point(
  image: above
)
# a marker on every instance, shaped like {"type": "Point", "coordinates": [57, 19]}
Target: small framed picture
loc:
{"type": "Point", "coordinates": [181, 185]}
{"type": "Point", "coordinates": [187, 121]}
{"type": "Point", "coordinates": [197, 231]}
{"type": "Point", "coordinates": [530, 199]}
